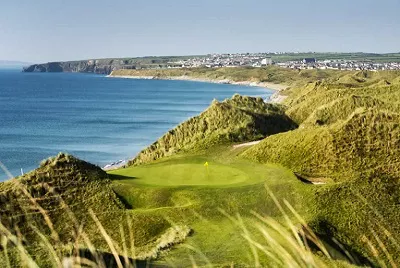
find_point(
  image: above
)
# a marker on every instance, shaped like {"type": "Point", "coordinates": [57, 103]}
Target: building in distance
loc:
{"type": "Point", "coordinates": [266, 61]}
{"type": "Point", "coordinates": [309, 60]}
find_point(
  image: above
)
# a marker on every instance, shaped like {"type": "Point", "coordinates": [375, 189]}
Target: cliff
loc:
{"type": "Point", "coordinates": [105, 66]}
{"type": "Point", "coordinates": [89, 66]}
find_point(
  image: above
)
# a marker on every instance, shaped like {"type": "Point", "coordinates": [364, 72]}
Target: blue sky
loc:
{"type": "Point", "coordinates": [52, 30]}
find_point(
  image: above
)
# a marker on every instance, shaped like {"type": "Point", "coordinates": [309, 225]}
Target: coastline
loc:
{"type": "Point", "coordinates": [114, 165]}
{"type": "Point", "coordinates": [275, 98]}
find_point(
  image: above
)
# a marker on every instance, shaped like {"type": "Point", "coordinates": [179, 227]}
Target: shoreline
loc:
{"type": "Point", "coordinates": [115, 165]}
{"type": "Point", "coordinates": [274, 98]}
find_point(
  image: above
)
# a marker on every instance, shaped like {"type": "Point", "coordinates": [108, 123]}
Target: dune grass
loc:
{"type": "Point", "coordinates": [354, 89]}
{"type": "Point", "coordinates": [348, 134]}
{"type": "Point", "coordinates": [238, 119]}
{"type": "Point", "coordinates": [348, 124]}
{"type": "Point", "coordinates": [66, 206]}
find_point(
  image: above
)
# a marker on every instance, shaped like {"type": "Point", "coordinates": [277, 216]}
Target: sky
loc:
{"type": "Point", "coordinates": [57, 30]}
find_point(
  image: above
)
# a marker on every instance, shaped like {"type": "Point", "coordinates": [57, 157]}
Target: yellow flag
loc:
{"type": "Point", "coordinates": [206, 164]}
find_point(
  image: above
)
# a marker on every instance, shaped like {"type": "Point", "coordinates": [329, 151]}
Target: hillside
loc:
{"type": "Point", "coordinates": [342, 108]}
{"type": "Point", "coordinates": [368, 139]}
{"type": "Point", "coordinates": [181, 189]}
{"type": "Point", "coordinates": [349, 139]}
{"type": "Point", "coordinates": [54, 200]}
{"type": "Point", "coordinates": [50, 213]}
{"type": "Point", "coordinates": [383, 87]}
{"type": "Point", "coordinates": [234, 120]}
{"type": "Point", "coordinates": [348, 124]}
{"type": "Point", "coordinates": [363, 214]}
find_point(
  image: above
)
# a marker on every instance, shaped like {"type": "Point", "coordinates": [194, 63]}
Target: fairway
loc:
{"type": "Point", "coordinates": [182, 175]}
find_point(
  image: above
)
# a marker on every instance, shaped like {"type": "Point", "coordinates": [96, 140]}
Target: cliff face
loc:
{"type": "Point", "coordinates": [105, 66]}
{"type": "Point", "coordinates": [88, 66]}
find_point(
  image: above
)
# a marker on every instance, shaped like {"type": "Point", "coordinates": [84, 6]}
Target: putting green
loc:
{"type": "Point", "coordinates": [182, 175]}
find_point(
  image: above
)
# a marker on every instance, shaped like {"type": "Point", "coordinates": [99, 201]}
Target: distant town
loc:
{"type": "Point", "coordinates": [263, 59]}
{"type": "Point", "coordinates": [292, 60]}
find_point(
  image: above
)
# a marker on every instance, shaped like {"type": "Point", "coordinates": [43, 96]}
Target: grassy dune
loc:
{"type": "Point", "coordinates": [233, 120]}
{"type": "Point", "coordinates": [347, 125]}
{"type": "Point", "coordinates": [363, 214]}
{"type": "Point", "coordinates": [372, 88]}
{"type": "Point", "coordinates": [57, 210]}
{"type": "Point", "coordinates": [366, 140]}
{"type": "Point", "coordinates": [349, 134]}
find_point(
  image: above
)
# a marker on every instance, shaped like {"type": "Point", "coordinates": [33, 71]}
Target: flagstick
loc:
{"type": "Point", "coordinates": [208, 172]}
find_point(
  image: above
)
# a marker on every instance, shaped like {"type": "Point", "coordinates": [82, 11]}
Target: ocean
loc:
{"type": "Point", "coordinates": [98, 119]}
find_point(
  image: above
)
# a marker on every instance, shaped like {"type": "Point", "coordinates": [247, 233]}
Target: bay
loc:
{"type": "Point", "coordinates": [98, 119]}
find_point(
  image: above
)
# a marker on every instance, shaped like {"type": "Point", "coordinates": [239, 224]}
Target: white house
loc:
{"type": "Point", "coordinates": [266, 61]}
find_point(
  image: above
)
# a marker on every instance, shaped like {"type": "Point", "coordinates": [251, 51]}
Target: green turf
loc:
{"type": "Point", "coordinates": [179, 189]}
{"type": "Point", "coordinates": [184, 174]}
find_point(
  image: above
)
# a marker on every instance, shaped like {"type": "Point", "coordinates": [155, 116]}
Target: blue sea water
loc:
{"type": "Point", "coordinates": [95, 118]}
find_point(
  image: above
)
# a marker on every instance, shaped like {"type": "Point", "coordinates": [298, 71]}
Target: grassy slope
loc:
{"type": "Point", "coordinates": [156, 189]}
{"type": "Point", "coordinates": [349, 131]}
{"type": "Point", "coordinates": [380, 87]}
{"type": "Point", "coordinates": [361, 212]}
{"type": "Point", "coordinates": [233, 120]}
{"type": "Point", "coordinates": [347, 124]}
{"type": "Point", "coordinates": [65, 186]}
{"type": "Point", "coordinates": [368, 139]}
{"type": "Point", "coordinates": [79, 184]}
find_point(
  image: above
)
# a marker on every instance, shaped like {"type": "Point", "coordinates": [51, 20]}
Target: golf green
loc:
{"type": "Point", "coordinates": [182, 175]}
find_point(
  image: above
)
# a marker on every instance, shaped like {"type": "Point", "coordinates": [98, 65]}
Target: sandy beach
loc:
{"type": "Point", "coordinates": [275, 98]}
